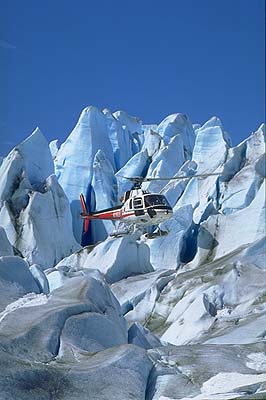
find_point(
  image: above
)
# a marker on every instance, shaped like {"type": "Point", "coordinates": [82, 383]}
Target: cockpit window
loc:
{"type": "Point", "coordinates": [156, 200]}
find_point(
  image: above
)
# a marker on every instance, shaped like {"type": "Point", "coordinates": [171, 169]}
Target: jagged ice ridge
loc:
{"type": "Point", "coordinates": [176, 317]}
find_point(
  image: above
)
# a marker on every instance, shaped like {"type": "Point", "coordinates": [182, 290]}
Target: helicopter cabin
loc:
{"type": "Point", "coordinates": [143, 202]}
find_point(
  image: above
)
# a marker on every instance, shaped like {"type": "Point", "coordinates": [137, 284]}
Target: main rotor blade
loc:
{"type": "Point", "coordinates": [169, 178]}
{"type": "Point", "coordinates": [180, 177]}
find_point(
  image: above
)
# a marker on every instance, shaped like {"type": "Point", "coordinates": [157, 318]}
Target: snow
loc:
{"type": "Point", "coordinates": [181, 316]}
{"type": "Point", "coordinates": [229, 381]}
{"type": "Point", "coordinates": [204, 373]}
{"type": "Point", "coordinates": [257, 361]}
{"type": "Point", "coordinates": [185, 328]}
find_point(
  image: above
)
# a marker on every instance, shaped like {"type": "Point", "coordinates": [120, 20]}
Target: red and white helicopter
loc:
{"type": "Point", "coordinates": [139, 208]}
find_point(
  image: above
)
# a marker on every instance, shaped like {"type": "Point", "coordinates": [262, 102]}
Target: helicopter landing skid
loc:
{"type": "Point", "coordinates": [119, 234]}
{"type": "Point", "coordinates": [155, 235]}
{"type": "Point", "coordinates": [123, 231]}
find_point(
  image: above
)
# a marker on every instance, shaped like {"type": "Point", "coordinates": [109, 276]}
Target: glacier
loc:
{"type": "Point", "coordinates": [181, 316]}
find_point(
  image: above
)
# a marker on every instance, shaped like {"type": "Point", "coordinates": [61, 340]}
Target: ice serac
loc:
{"type": "Point", "coordinates": [136, 166]}
{"type": "Point", "coordinates": [132, 124]}
{"type": "Point", "coordinates": [122, 140]}
{"type": "Point", "coordinates": [166, 250]}
{"type": "Point", "coordinates": [220, 235]}
{"type": "Point", "coordinates": [244, 172]}
{"type": "Point", "coordinates": [152, 139]}
{"type": "Point", "coordinates": [31, 158]}
{"type": "Point", "coordinates": [115, 258]}
{"type": "Point", "coordinates": [211, 146]}
{"type": "Point", "coordinates": [45, 230]}
{"type": "Point", "coordinates": [33, 204]}
{"type": "Point", "coordinates": [53, 145]}
{"type": "Point", "coordinates": [178, 124]}
{"type": "Point", "coordinates": [103, 196]}
{"type": "Point", "coordinates": [165, 163]}
{"type": "Point", "coordinates": [74, 160]}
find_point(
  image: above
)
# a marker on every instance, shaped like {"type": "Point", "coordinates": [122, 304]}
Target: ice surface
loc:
{"type": "Point", "coordinates": [74, 160]}
{"type": "Point", "coordinates": [165, 251]}
{"type": "Point", "coordinates": [204, 373]}
{"type": "Point", "coordinates": [138, 294]}
{"type": "Point", "coordinates": [5, 246]}
{"type": "Point", "coordinates": [178, 124]}
{"type": "Point", "coordinates": [95, 131]}
{"type": "Point", "coordinates": [132, 124]}
{"type": "Point", "coordinates": [16, 270]}
{"type": "Point", "coordinates": [136, 166]}
{"type": "Point", "coordinates": [65, 331]}
{"type": "Point", "coordinates": [142, 337]}
{"type": "Point", "coordinates": [103, 195]}
{"type": "Point", "coordinates": [211, 148]}
{"type": "Point", "coordinates": [109, 258]}
{"type": "Point", "coordinates": [116, 373]}
{"type": "Point", "coordinates": [35, 155]}
{"type": "Point", "coordinates": [45, 227]}
{"type": "Point", "coordinates": [40, 278]}
{"type": "Point", "coordinates": [165, 163]}
{"type": "Point", "coordinates": [121, 139]}
{"type": "Point", "coordinates": [152, 140]}
{"type": "Point", "coordinates": [53, 145]}
{"type": "Point", "coordinates": [42, 327]}
{"type": "Point", "coordinates": [33, 204]}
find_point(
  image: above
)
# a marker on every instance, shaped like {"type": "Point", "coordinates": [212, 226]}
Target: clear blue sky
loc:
{"type": "Point", "coordinates": [150, 58]}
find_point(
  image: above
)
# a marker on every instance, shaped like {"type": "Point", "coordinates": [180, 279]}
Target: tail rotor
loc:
{"type": "Point", "coordinates": [84, 214]}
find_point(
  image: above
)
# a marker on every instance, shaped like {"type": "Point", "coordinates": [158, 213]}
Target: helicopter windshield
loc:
{"type": "Point", "coordinates": [156, 200]}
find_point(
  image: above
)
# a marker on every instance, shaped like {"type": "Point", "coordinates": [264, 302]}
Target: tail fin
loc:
{"type": "Point", "coordinates": [84, 212]}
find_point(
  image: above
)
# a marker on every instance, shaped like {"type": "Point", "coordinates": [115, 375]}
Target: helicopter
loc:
{"type": "Point", "coordinates": [139, 208]}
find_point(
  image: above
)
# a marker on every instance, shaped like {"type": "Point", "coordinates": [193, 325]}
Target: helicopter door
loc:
{"type": "Point", "coordinates": [138, 206]}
